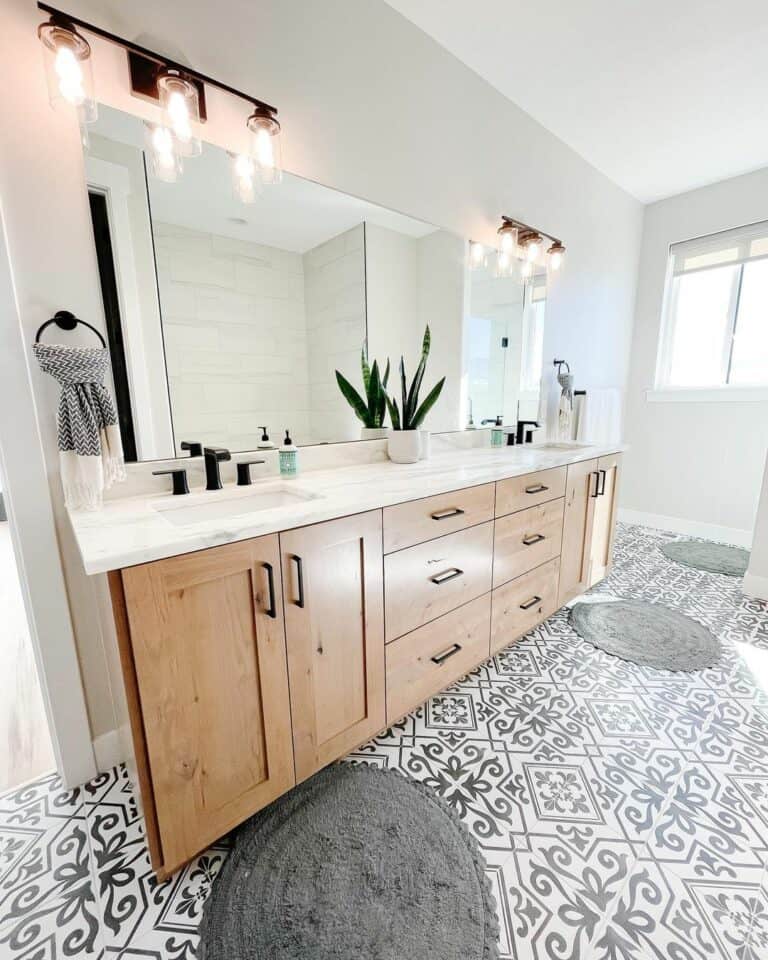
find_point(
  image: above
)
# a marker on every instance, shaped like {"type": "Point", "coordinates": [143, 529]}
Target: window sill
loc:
{"type": "Point", "coordinates": [707, 395]}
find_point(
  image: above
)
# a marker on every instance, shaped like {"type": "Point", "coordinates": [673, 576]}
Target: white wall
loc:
{"type": "Point", "coordinates": [369, 106]}
{"type": "Point", "coordinates": [699, 464]}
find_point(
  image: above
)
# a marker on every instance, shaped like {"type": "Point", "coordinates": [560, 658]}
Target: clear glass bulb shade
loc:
{"type": "Point", "coordinates": [164, 160]}
{"type": "Point", "coordinates": [476, 255]}
{"type": "Point", "coordinates": [68, 70]}
{"type": "Point", "coordinates": [555, 256]}
{"type": "Point", "coordinates": [266, 147]}
{"type": "Point", "coordinates": [532, 250]}
{"type": "Point", "coordinates": [181, 112]}
{"type": "Point", "coordinates": [245, 178]}
{"type": "Point", "coordinates": [508, 235]}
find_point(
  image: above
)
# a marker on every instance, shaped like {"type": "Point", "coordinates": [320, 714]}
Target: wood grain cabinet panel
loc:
{"type": "Point", "coordinates": [519, 493]}
{"type": "Point", "coordinates": [522, 603]}
{"type": "Point", "coordinates": [604, 522]}
{"type": "Point", "coordinates": [527, 539]}
{"type": "Point", "coordinates": [207, 640]}
{"type": "Point", "coordinates": [581, 488]}
{"type": "Point", "coordinates": [426, 661]}
{"type": "Point", "coordinates": [424, 582]}
{"type": "Point", "coordinates": [334, 628]}
{"type": "Point", "coordinates": [414, 522]}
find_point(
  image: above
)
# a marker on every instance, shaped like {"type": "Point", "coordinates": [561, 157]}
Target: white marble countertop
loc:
{"type": "Point", "coordinates": [132, 530]}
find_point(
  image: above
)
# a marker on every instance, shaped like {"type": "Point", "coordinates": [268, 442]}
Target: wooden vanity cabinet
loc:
{"type": "Point", "coordinates": [203, 650]}
{"type": "Point", "coordinates": [334, 631]}
{"type": "Point", "coordinates": [604, 519]}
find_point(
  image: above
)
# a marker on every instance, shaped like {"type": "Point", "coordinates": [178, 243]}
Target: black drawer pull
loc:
{"type": "Point", "coordinates": [300, 577]}
{"type": "Point", "coordinates": [596, 475]}
{"type": "Point", "coordinates": [601, 491]}
{"type": "Point", "coordinates": [442, 657]}
{"type": "Point", "coordinates": [534, 538]}
{"type": "Point", "coordinates": [450, 574]}
{"type": "Point", "coordinates": [272, 608]}
{"type": "Point", "coordinates": [536, 488]}
{"type": "Point", "coordinates": [530, 603]}
{"type": "Point", "coordinates": [447, 514]}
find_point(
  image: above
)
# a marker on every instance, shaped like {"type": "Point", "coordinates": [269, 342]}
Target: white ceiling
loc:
{"type": "Point", "coordinates": [660, 95]}
{"type": "Point", "coordinates": [297, 215]}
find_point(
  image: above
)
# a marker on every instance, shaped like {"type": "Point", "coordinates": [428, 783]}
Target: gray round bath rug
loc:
{"type": "Point", "coordinates": [712, 557]}
{"type": "Point", "coordinates": [355, 863]}
{"type": "Point", "coordinates": [648, 634]}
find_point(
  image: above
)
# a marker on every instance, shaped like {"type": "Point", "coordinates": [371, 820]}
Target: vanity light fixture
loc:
{"type": "Point", "coordinates": [508, 235]}
{"type": "Point", "coordinates": [181, 110]}
{"type": "Point", "coordinates": [531, 243]}
{"type": "Point", "coordinates": [266, 149]}
{"type": "Point", "coordinates": [68, 68]}
{"type": "Point", "coordinates": [555, 256]}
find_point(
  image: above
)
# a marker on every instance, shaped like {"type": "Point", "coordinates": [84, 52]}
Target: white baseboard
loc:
{"type": "Point", "coordinates": [692, 528]}
{"type": "Point", "coordinates": [755, 586]}
{"type": "Point", "coordinates": [108, 750]}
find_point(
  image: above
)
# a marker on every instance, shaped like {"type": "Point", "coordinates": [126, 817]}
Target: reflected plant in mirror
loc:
{"type": "Point", "coordinates": [372, 410]}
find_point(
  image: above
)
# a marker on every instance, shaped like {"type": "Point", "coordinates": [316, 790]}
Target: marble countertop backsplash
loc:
{"type": "Point", "coordinates": [341, 479]}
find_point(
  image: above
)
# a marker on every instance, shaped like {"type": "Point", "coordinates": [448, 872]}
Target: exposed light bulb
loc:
{"type": "Point", "coordinates": [244, 179]}
{"type": "Point", "coordinates": [265, 145]}
{"type": "Point", "coordinates": [532, 249]}
{"type": "Point", "coordinates": [70, 76]}
{"type": "Point", "coordinates": [555, 256]}
{"type": "Point", "coordinates": [179, 116]}
{"type": "Point", "coordinates": [67, 57]}
{"type": "Point", "coordinates": [508, 234]}
{"type": "Point", "coordinates": [181, 110]}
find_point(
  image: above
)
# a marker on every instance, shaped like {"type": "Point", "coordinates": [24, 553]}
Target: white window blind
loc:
{"type": "Point", "coordinates": [715, 330]}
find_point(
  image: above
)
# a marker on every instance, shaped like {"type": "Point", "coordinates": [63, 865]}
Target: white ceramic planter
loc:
{"type": "Point", "coordinates": [403, 446]}
{"type": "Point", "coordinates": [374, 433]}
{"type": "Point", "coordinates": [425, 446]}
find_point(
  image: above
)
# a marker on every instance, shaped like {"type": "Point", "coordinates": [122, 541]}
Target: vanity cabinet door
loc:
{"type": "Point", "coordinates": [580, 489]}
{"type": "Point", "coordinates": [604, 523]}
{"type": "Point", "coordinates": [334, 627]}
{"type": "Point", "coordinates": [206, 632]}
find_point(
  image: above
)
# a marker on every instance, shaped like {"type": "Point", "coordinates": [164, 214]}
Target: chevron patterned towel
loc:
{"type": "Point", "coordinates": [90, 448]}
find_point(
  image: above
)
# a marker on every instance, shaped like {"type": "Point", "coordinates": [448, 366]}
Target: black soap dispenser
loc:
{"type": "Point", "coordinates": [265, 443]}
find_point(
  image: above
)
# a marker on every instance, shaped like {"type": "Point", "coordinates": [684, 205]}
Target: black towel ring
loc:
{"type": "Point", "coordinates": [65, 320]}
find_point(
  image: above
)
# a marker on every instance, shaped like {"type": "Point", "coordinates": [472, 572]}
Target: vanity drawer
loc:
{"type": "Point", "coordinates": [519, 605]}
{"type": "Point", "coordinates": [426, 581]}
{"type": "Point", "coordinates": [526, 539]}
{"type": "Point", "coordinates": [518, 493]}
{"type": "Point", "coordinates": [436, 655]}
{"type": "Point", "coordinates": [409, 523]}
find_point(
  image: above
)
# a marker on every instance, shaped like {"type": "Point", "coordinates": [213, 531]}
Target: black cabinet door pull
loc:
{"type": "Point", "coordinates": [601, 490]}
{"type": "Point", "coordinates": [442, 657]}
{"type": "Point", "coordinates": [533, 538]}
{"type": "Point", "coordinates": [450, 574]}
{"type": "Point", "coordinates": [536, 488]}
{"type": "Point", "coordinates": [596, 475]}
{"type": "Point", "coordinates": [300, 580]}
{"type": "Point", "coordinates": [272, 608]}
{"type": "Point", "coordinates": [446, 514]}
{"type": "Point", "coordinates": [530, 603]}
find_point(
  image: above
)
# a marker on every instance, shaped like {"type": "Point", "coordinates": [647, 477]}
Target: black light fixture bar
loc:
{"type": "Point", "coordinates": [527, 227]}
{"type": "Point", "coordinates": [137, 53]}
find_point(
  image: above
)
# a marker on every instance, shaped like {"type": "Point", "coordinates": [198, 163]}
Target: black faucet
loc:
{"type": "Point", "coordinates": [213, 456]}
{"type": "Point", "coordinates": [523, 435]}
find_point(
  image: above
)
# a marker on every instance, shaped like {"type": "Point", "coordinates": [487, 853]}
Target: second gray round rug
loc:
{"type": "Point", "coordinates": [712, 557]}
{"type": "Point", "coordinates": [649, 634]}
{"type": "Point", "coordinates": [355, 863]}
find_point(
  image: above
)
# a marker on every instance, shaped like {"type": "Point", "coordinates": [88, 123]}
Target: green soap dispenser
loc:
{"type": "Point", "coordinates": [289, 457]}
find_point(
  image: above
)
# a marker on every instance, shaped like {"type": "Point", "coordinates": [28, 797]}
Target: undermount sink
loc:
{"type": "Point", "coordinates": [561, 445]}
{"type": "Point", "coordinates": [219, 508]}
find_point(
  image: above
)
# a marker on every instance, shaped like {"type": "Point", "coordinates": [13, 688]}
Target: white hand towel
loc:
{"type": "Point", "coordinates": [600, 416]}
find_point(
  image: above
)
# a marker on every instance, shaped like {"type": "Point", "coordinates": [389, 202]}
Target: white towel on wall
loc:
{"type": "Point", "coordinates": [600, 416]}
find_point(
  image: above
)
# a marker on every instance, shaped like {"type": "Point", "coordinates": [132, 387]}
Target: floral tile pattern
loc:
{"type": "Point", "coordinates": [622, 811]}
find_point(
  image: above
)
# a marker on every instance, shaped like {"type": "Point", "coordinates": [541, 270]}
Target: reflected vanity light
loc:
{"type": "Point", "coordinates": [504, 263]}
{"type": "Point", "coordinates": [181, 111]}
{"type": "Point", "coordinates": [68, 68]}
{"type": "Point", "coordinates": [477, 258]}
{"type": "Point", "coordinates": [165, 161]}
{"type": "Point", "coordinates": [245, 181]}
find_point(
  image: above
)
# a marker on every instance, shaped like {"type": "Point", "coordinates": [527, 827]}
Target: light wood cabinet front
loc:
{"type": "Point", "coordinates": [526, 539]}
{"type": "Point", "coordinates": [429, 659]}
{"type": "Point", "coordinates": [426, 581]}
{"type": "Point", "coordinates": [206, 635]}
{"type": "Point", "coordinates": [604, 523]}
{"type": "Point", "coordinates": [418, 520]}
{"type": "Point", "coordinates": [520, 604]}
{"type": "Point", "coordinates": [519, 493]}
{"type": "Point", "coordinates": [580, 493]}
{"type": "Point", "coordinates": [334, 628]}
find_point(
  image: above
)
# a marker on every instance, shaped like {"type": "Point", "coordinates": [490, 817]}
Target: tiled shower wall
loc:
{"type": "Point", "coordinates": [253, 335]}
{"type": "Point", "coordinates": [235, 337]}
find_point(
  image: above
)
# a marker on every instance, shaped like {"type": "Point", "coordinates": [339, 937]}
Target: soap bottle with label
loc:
{"type": "Point", "coordinates": [265, 443]}
{"type": "Point", "coordinates": [497, 433]}
{"type": "Point", "coordinates": [289, 457]}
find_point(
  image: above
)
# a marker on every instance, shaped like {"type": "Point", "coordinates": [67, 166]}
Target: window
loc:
{"type": "Point", "coordinates": [715, 331]}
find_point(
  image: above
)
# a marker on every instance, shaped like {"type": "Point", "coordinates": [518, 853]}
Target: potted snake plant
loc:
{"type": "Point", "coordinates": [370, 410]}
{"type": "Point", "coordinates": [404, 441]}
